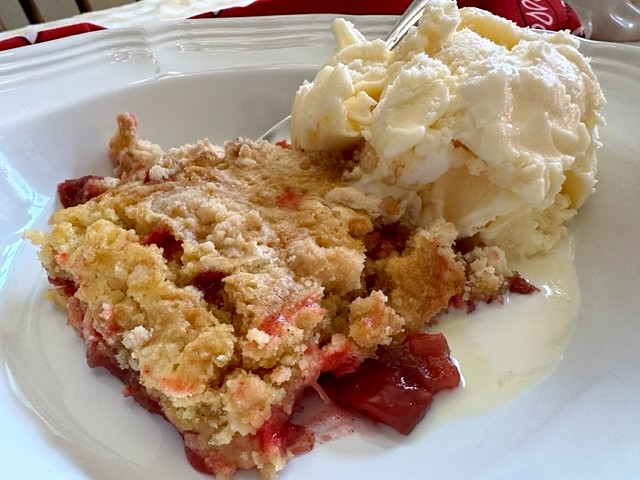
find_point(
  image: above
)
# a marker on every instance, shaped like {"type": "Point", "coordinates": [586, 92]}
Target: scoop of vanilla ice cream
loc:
{"type": "Point", "coordinates": [493, 126]}
{"type": "Point", "coordinates": [330, 113]}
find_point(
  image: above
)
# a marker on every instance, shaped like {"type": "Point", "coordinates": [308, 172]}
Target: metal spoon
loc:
{"type": "Point", "coordinates": [280, 131]}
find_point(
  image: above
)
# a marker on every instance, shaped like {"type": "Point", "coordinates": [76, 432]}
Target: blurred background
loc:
{"type": "Point", "coordinates": [19, 13]}
{"type": "Point", "coordinates": [611, 20]}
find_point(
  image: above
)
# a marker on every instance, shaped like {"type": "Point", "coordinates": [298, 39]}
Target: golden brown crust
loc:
{"type": "Point", "coordinates": [416, 279]}
{"type": "Point", "coordinates": [228, 279]}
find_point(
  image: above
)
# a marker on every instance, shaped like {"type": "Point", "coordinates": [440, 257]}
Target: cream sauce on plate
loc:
{"type": "Point", "coordinates": [503, 349]}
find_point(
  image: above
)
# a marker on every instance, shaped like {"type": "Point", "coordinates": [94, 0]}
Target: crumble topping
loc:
{"type": "Point", "coordinates": [218, 282]}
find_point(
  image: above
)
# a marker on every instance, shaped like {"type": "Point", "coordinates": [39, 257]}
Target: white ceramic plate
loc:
{"type": "Point", "coordinates": [226, 78]}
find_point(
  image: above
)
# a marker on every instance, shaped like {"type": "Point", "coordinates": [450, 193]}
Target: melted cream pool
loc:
{"type": "Point", "coordinates": [504, 349]}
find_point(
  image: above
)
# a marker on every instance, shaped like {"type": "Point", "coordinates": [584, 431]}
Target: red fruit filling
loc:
{"type": "Point", "coordinates": [210, 284]}
{"type": "Point", "coordinates": [289, 199]}
{"type": "Point", "coordinates": [278, 431]}
{"type": "Point", "coordinates": [397, 387]}
{"type": "Point", "coordinates": [283, 144]}
{"type": "Point", "coordinates": [519, 284]}
{"type": "Point", "coordinates": [386, 240]}
{"type": "Point", "coordinates": [69, 287]}
{"type": "Point", "coordinates": [164, 239]}
{"type": "Point", "coordinates": [80, 190]}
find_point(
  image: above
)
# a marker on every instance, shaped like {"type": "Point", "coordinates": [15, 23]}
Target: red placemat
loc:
{"type": "Point", "coordinates": [542, 14]}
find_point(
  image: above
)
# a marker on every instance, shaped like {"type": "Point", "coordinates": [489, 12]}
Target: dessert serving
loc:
{"type": "Point", "coordinates": [218, 283]}
{"type": "Point", "coordinates": [221, 283]}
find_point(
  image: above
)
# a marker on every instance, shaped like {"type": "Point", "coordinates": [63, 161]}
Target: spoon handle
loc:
{"type": "Point", "coordinates": [409, 18]}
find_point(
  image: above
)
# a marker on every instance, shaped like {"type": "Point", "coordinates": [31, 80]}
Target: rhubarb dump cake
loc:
{"type": "Point", "coordinates": [220, 282]}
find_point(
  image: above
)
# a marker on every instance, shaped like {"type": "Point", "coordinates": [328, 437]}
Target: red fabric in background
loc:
{"type": "Point", "coordinates": [294, 7]}
{"type": "Point", "coordinates": [545, 14]}
{"type": "Point", "coordinates": [66, 31]}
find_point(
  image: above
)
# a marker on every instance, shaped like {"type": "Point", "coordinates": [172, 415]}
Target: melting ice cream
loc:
{"type": "Point", "coordinates": [471, 118]}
